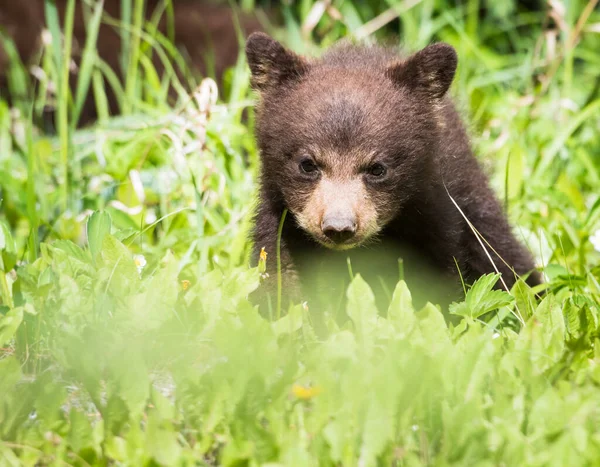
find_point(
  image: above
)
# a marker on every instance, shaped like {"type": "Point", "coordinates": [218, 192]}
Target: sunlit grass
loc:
{"type": "Point", "coordinates": [126, 335]}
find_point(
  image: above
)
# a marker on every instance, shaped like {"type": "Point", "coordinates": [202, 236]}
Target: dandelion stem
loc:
{"type": "Point", "coordinates": [349, 263]}
{"type": "Point", "coordinates": [279, 281]}
{"type": "Point", "coordinates": [400, 269]}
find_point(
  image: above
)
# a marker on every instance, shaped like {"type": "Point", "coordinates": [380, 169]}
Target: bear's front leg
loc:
{"type": "Point", "coordinates": [497, 248]}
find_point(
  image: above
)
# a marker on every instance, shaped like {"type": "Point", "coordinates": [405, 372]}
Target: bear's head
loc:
{"type": "Point", "coordinates": [348, 139]}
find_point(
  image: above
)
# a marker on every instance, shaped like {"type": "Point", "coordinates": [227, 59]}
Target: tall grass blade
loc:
{"type": "Point", "coordinates": [88, 60]}
{"type": "Point", "coordinates": [131, 79]}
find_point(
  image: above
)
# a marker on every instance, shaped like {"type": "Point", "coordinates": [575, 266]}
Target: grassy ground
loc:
{"type": "Point", "coordinates": [125, 333]}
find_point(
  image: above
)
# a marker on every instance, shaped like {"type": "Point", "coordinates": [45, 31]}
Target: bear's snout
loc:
{"type": "Point", "coordinates": [339, 228]}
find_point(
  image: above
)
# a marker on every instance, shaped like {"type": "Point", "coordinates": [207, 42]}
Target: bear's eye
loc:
{"type": "Point", "coordinates": [308, 166]}
{"type": "Point", "coordinates": [377, 170]}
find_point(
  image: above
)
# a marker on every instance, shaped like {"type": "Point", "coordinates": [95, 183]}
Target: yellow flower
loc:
{"type": "Point", "coordinates": [185, 284]}
{"type": "Point", "coordinates": [305, 392]}
{"type": "Point", "coordinates": [263, 254]}
{"type": "Point", "coordinates": [262, 261]}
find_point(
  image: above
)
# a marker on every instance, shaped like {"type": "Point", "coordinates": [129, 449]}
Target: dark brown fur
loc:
{"type": "Point", "coordinates": [352, 108]}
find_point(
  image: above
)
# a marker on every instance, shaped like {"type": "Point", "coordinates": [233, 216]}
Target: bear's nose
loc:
{"type": "Point", "coordinates": [338, 228]}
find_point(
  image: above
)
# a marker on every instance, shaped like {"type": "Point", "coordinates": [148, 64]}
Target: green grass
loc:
{"type": "Point", "coordinates": [126, 336]}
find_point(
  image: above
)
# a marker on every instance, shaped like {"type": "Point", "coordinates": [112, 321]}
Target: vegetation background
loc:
{"type": "Point", "coordinates": [126, 337]}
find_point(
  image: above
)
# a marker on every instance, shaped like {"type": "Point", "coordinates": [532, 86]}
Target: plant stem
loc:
{"type": "Point", "coordinates": [63, 110]}
{"type": "Point", "coordinates": [279, 281]}
{"type": "Point", "coordinates": [134, 57]}
{"type": "Point", "coordinates": [5, 291]}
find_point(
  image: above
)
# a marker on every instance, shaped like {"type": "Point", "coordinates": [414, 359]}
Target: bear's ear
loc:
{"type": "Point", "coordinates": [429, 71]}
{"type": "Point", "coordinates": [270, 63]}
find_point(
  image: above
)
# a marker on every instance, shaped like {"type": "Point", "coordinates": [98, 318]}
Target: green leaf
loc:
{"type": "Point", "coordinates": [340, 346]}
{"type": "Point", "coordinates": [129, 380]}
{"type": "Point", "coordinates": [118, 267]}
{"type": "Point", "coordinates": [433, 325]}
{"type": "Point", "coordinates": [10, 374]}
{"type": "Point", "coordinates": [238, 284]}
{"type": "Point", "coordinates": [98, 226]}
{"type": "Point", "coordinates": [8, 249]}
{"type": "Point", "coordinates": [69, 259]}
{"type": "Point", "coordinates": [377, 432]}
{"type": "Point", "coordinates": [481, 299]}
{"type": "Point", "coordinates": [362, 310]}
{"type": "Point", "coordinates": [161, 440]}
{"type": "Point", "coordinates": [72, 250]}
{"type": "Point", "coordinates": [10, 459]}
{"type": "Point", "coordinates": [549, 314]}
{"type": "Point", "coordinates": [164, 408]}
{"type": "Point", "coordinates": [290, 323]}
{"type": "Point", "coordinates": [80, 432]}
{"type": "Point", "coordinates": [9, 323]}
{"type": "Point", "coordinates": [334, 433]}
{"type": "Point", "coordinates": [401, 310]}
{"type": "Point", "coordinates": [115, 415]}
{"type": "Point", "coordinates": [49, 398]}
{"type": "Point", "coordinates": [154, 305]}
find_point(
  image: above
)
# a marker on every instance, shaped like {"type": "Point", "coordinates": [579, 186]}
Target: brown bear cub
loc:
{"type": "Point", "coordinates": [372, 162]}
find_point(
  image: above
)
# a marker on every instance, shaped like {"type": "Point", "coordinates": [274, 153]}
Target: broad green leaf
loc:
{"type": "Point", "coordinates": [115, 415]}
{"type": "Point", "coordinates": [401, 310]}
{"type": "Point", "coordinates": [154, 305]}
{"type": "Point", "coordinates": [340, 346]}
{"type": "Point", "coordinates": [161, 440]}
{"type": "Point", "coordinates": [524, 299]}
{"type": "Point", "coordinates": [164, 408]}
{"type": "Point", "coordinates": [49, 399]}
{"type": "Point", "coordinates": [290, 323]}
{"type": "Point", "coordinates": [336, 434]}
{"type": "Point", "coordinates": [116, 448]}
{"type": "Point", "coordinates": [238, 284]}
{"type": "Point", "coordinates": [119, 272]}
{"type": "Point", "coordinates": [129, 380]}
{"type": "Point", "coordinates": [433, 327]}
{"type": "Point", "coordinates": [69, 259]}
{"type": "Point", "coordinates": [80, 430]}
{"type": "Point", "coordinates": [72, 250]}
{"type": "Point", "coordinates": [362, 310]}
{"type": "Point", "coordinates": [481, 298]}
{"type": "Point", "coordinates": [378, 430]}
{"type": "Point", "coordinates": [549, 314]}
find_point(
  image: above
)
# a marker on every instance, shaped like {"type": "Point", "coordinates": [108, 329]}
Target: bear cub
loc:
{"type": "Point", "coordinates": [371, 160]}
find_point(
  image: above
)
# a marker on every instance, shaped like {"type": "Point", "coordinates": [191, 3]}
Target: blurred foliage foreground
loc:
{"type": "Point", "coordinates": [126, 336]}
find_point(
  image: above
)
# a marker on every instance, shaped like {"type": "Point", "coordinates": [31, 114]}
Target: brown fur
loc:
{"type": "Point", "coordinates": [354, 108]}
{"type": "Point", "coordinates": [201, 29]}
